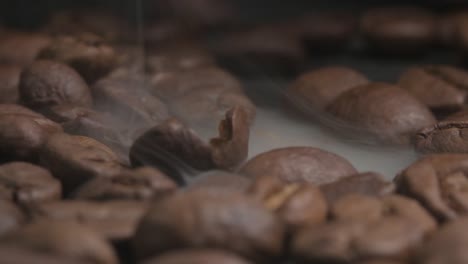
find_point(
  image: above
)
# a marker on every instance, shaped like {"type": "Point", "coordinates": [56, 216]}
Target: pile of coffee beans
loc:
{"type": "Point", "coordinates": [107, 158]}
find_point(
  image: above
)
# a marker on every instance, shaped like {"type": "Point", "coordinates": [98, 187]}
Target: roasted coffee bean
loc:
{"type": "Point", "coordinates": [47, 83]}
{"type": "Point", "coordinates": [388, 229]}
{"type": "Point", "coordinates": [88, 54]}
{"type": "Point", "coordinates": [221, 181]}
{"type": "Point", "coordinates": [369, 183]}
{"type": "Point", "coordinates": [446, 246]}
{"type": "Point", "coordinates": [65, 239]}
{"type": "Point", "coordinates": [438, 181]}
{"type": "Point", "coordinates": [445, 136]}
{"type": "Point", "coordinates": [26, 183]}
{"type": "Point", "coordinates": [140, 184]}
{"type": "Point", "coordinates": [77, 159]}
{"type": "Point", "coordinates": [9, 81]}
{"type": "Point", "coordinates": [127, 98]}
{"type": "Point", "coordinates": [441, 88]}
{"type": "Point", "coordinates": [21, 48]}
{"type": "Point", "coordinates": [387, 112]}
{"type": "Point", "coordinates": [399, 30]}
{"type": "Point", "coordinates": [300, 164]}
{"type": "Point", "coordinates": [205, 219]}
{"type": "Point", "coordinates": [200, 256]}
{"type": "Point", "coordinates": [297, 204]}
{"type": "Point", "coordinates": [18, 255]}
{"type": "Point", "coordinates": [23, 132]}
{"type": "Point", "coordinates": [320, 87]}
{"type": "Point", "coordinates": [113, 220]}
{"type": "Point", "coordinates": [175, 148]}
{"type": "Point", "coordinates": [11, 217]}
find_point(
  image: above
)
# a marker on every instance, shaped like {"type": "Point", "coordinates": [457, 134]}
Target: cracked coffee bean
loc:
{"type": "Point", "coordinates": [204, 219]}
{"type": "Point", "coordinates": [299, 164]}
{"type": "Point", "coordinates": [26, 183]}
{"type": "Point", "coordinates": [47, 83]}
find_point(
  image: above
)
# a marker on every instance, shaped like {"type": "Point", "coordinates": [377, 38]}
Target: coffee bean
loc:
{"type": "Point", "coordinates": [21, 48]}
{"type": "Point", "coordinates": [446, 246]}
{"type": "Point", "coordinates": [47, 83]}
{"type": "Point", "coordinates": [9, 80]}
{"type": "Point", "coordinates": [88, 54]}
{"type": "Point", "coordinates": [113, 220]}
{"type": "Point", "coordinates": [399, 30]}
{"type": "Point", "coordinates": [445, 136]}
{"type": "Point", "coordinates": [140, 184]}
{"type": "Point", "coordinates": [26, 183]}
{"type": "Point", "coordinates": [441, 88]}
{"type": "Point", "coordinates": [11, 217]}
{"type": "Point", "coordinates": [437, 181]}
{"type": "Point", "coordinates": [387, 112]}
{"type": "Point", "coordinates": [18, 255]}
{"type": "Point", "coordinates": [204, 219]}
{"type": "Point", "coordinates": [297, 204]}
{"type": "Point", "coordinates": [320, 87]}
{"type": "Point", "coordinates": [300, 164]}
{"type": "Point", "coordinates": [369, 183]}
{"type": "Point", "coordinates": [77, 159]}
{"type": "Point", "coordinates": [65, 239]}
{"type": "Point", "coordinates": [221, 181]}
{"type": "Point", "coordinates": [200, 256]}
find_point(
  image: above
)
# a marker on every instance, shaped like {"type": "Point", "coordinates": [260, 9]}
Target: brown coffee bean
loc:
{"type": "Point", "coordinates": [9, 81]}
{"type": "Point", "coordinates": [18, 255]}
{"type": "Point", "coordinates": [88, 54]}
{"type": "Point", "coordinates": [197, 256]}
{"type": "Point", "coordinates": [21, 48]}
{"type": "Point", "coordinates": [126, 98]}
{"type": "Point", "coordinates": [399, 30]}
{"type": "Point", "coordinates": [26, 183]}
{"type": "Point", "coordinates": [221, 181]}
{"type": "Point", "coordinates": [446, 246]}
{"type": "Point", "coordinates": [300, 164]}
{"type": "Point", "coordinates": [297, 204]}
{"type": "Point", "coordinates": [369, 183]}
{"type": "Point", "coordinates": [438, 182]}
{"type": "Point", "coordinates": [48, 83]}
{"type": "Point", "coordinates": [11, 217]}
{"type": "Point", "coordinates": [441, 88]}
{"type": "Point", "coordinates": [445, 136]}
{"type": "Point", "coordinates": [77, 159]}
{"type": "Point", "coordinates": [113, 220]}
{"type": "Point", "coordinates": [140, 184]}
{"type": "Point", "coordinates": [387, 112]}
{"type": "Point", "coordinates": [65, 239]}
{"type": "Point", "coordinates": [205, 219]}
{"type": "Point", "coordinates": [320, 87]}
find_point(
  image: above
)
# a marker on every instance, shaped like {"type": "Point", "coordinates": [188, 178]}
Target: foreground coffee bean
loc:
{"type": "Point", "coordinates": [447, 135]}
{"type": "Point", "coordinates": [369, 183]}
{"type": "Point", "coordinates": [200, 256]}
{"type": "Point", "coordinates": [399, 30]}
{"type": "Point", "coordinates": [46, 83]}
{"type": "Point", "coordinates": [446, 246]}
{"type": "Point", "coordinates": [387, 112]}
{"type": "Point", "coordinates": [203, 219]}
{"type": "Point", "coordinates": [113, 220]}
{"type": "Point", "coordinates": [299, 164]}
{"type": "Point", "coordinates": [318, 88]}
{"type": "Point", "coordinates": [9, 81]}
{"type": "Point", "coordinates": [11, 217]}
{"type": "Point", "coordinates": [18, 255]}
{"type": "Point", "coordinates": [87, 53]}
{"type": "Point", "coordinates": [139, 184]}
{"type": "Point", "coordinates": [386, 229]}
{"type": "Point", "coordinates": [297, 204]}
{"type": "Point", "coordinates": [26, 183]}
{"type": "Point", "coordinates": [77, 159]}
{"type": "Point", "coordinates": [23, 132]}
{"type": "Point", "coordinates": [441, 88]}
{"type": "Point", "coordinates": [63, 239]}
{"type": "Point", "coordinates": [438, 182]}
